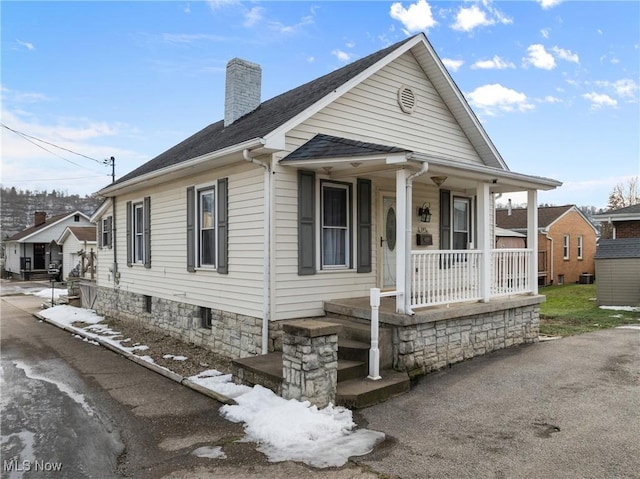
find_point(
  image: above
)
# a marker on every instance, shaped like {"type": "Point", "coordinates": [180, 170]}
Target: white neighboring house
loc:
{"type": "Point", "coordinates": [29, 253]}
{"type": "Point", "coordinates": [79, 248]}
{"type": "Point", "coordinates": [376, 175]}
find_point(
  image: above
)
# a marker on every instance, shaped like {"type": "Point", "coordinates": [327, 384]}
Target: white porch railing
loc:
{"type": "Point", "coordinates": [443, 277]}
{"type": "Point", "coordinates": [510, 271]}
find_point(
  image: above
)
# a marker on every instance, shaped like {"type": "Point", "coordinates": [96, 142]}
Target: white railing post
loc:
{"type": "Point", "coordinates": [374, 352]}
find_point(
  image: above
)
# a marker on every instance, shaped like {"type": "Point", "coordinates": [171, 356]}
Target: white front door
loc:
{"type": "Point", "coordinates": [388, 242]}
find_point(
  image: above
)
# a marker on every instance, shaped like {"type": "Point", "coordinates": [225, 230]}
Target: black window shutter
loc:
{"type": "Point", "coordinates": [364, 225]}
{"type": "Point", "coordinates": [191, 229]}
{"type": "Point", "coordinates": [129, 232]}
{"type": "Point", "coordinates": [147, 231]}
{"type": "Point", "coordinates": [109, 232]}
{"type": "Point", "coordinates": [223, 226]}
{"type": "Point", "coordinates": [306, 222]}
{"type": "Point", "coordinates": [445, 219]}
{"type": "Point", "coordinates": [100, 245]}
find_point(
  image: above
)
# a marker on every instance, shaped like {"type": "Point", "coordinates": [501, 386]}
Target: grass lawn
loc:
{"type": "Point", "coordinates": [571, 309]}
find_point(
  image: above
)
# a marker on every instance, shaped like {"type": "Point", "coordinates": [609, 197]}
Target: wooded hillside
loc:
{"type": "Point", "coordinates": [17, 207]}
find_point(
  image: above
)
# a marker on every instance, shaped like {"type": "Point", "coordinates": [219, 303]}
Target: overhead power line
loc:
{"type": "Point", "coordinates": [30, 139]}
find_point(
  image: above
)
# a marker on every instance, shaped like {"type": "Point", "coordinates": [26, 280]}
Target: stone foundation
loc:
{"type": "Point", "coordinates": [231, 335]}
{"type": "Point", "coordinates": [431, 345]}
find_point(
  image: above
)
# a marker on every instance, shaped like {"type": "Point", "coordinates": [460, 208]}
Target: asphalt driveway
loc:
{"type": "Point", "coordinates": [568, 408]}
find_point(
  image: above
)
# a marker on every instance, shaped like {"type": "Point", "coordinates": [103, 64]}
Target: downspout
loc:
{"type": "Point", "coordinates": [267, 248]}
{"type": "Point", "coordinates": [116, 275]}
{"type": "Point", "coordinates": [551, 255]}
{"type": "Point", "coordinates": [409, 229]}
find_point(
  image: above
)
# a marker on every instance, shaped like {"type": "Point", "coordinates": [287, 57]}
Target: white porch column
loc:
{"type": "Point", "coordinates": [484, 239]}
{"type": "Point", "coordinates": [401, 209]}
{"type": "Point", "coordinates": [532, 237]}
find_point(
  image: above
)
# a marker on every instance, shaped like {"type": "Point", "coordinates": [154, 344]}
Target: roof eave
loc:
{"type": "Point", "coordinates": [158, 176]}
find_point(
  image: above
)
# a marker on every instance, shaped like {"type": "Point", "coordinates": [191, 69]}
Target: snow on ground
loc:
{"type": "Point", "coordinates": [285, 430]}
{"type": "Point", "coordinates": [46, 293]}
{"type": "Point", "coordinates": [174, 357]}
{"type": "Point", "coordinates": [621, 308]}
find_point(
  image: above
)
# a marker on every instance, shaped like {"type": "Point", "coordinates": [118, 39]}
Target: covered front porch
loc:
{"type": "Point", "coordinates": [431, 222]}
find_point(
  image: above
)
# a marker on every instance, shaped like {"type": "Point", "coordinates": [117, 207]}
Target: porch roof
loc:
{"type": "Point", "coordinates": [344, 157]}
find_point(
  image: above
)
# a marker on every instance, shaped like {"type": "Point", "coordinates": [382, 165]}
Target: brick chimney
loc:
{"type": "Point", "coordinates": [39, 217]}
{"type": "Point", "coordinates": [242, 89]}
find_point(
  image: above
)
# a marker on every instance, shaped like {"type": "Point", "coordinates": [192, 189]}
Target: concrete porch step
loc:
{"type": "Point", "coordinates": [351, 370]}
{"type": "Point", "coordinates": [349, 349]}
{"type": "Point", "coordinates": [364, 392]}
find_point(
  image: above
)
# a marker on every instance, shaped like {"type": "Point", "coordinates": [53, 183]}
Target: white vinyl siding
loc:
{"type": "Point", "coordinates": [370, 112]}
{"type": "Point", "coordinates": [240, 291]}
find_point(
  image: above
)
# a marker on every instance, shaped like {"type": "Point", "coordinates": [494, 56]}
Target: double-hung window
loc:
{"type": "Point", "coordinates": [461, 222]}
{"type": "Point", "coordinates": [139, 232]}
{"type": "Point", "coordinates": [565, 247]}
{"type": "Point", "coordinates": [207, 227]}
{"type": "Point", "coordinates": [335, 227]}
{"type": "Point", "coordinates": [580, 247]}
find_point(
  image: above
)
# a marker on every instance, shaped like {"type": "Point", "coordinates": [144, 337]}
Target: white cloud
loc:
{"type": "Point", "coordinates": [567, 55]}
{"type": "Point", "coordinates": [548, 3]}
{"type": "Point", "coordinates": [253, 16]}
{"type": "Point", "coordinates": [469, 18]}
{"type": "Point", "coordinates": [550, 99]}
{"type": "Point", "coordinates": [416, 18]}
{"type": "Point", "coordinates": [341, 55]}
{"type": "Point", "coordinates": [311, 59]}
{"type": "Point", "coordinates": [351, 44]}
{"type": "Point", "coordinates": [472, 17]}
{"type": "Point", "coordinates": [29, 46]}
{"type": "Point", "coordinates": [539, 57]}
{"type": "Point", "coordinates": [189, 37]}
{"type": "Point", "coordinates": [215, 4]}
{"type": "Point", "coordinates": [288, 29]}
{"type": "Point", "coordinates": [495, 98]}
{"type": "Point", "coordinates": [599, 100]}
{"type": "Point", "coordinates": [451, 64]}
{"type": "Point", "coordinates": [625, 88]}
{"type": "Point", "coordinates": [545, 32]}
{"type": "Point", "coordinates": [496, 63]}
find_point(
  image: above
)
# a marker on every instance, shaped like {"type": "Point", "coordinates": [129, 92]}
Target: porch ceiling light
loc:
{"type": "Point", "coordinates": [424, 213]}
{"type": "Point", "coordinates": [438, 180]}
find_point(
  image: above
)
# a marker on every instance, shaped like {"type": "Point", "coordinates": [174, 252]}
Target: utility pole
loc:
{"type": "Point", "coordinates": [112, 161]}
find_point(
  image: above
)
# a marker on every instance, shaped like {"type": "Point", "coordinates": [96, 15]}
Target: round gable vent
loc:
{"type": "Point", "coordinates": [406, 99]}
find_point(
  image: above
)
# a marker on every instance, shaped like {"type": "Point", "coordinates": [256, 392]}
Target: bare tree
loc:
{"type": "Point", "coordinates": [625, 194]}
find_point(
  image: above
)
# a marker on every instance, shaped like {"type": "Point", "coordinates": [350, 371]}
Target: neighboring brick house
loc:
{"type": "Point", "coordinates": [624, 222]}
{"type": "Point", "coordinates": [566, 242]}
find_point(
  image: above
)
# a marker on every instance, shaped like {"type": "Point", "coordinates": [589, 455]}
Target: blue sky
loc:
{"type": "Point", "coordinates": [555, 83]}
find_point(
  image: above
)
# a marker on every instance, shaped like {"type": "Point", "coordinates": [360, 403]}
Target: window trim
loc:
{"type": "Point", "coordinates": [349, 236]}
{"type": "Point", "coordinates": [208, 189]}
{"type": "Point", "coordinates": [565, 247]}
{"type": "Point", "coordinates": [137, 256]}
{"type": "Point", "coordinates": [580, 249]}
{"type": "Point", "coordinates": [469, 220]}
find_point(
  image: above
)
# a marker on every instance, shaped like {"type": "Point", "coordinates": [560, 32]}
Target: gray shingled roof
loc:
{"type": "Point", "coordinates": [32, 229]}
{"type": "Point", "coordinates": [327, 146]}
{"type": "Point", "coordinates": [267, 117]}
{"type": "Point", "coordinates": [618, 248]}
{"type": "Point", "coordinates": [627, 210]}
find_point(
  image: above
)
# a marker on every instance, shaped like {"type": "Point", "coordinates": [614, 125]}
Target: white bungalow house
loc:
{"type": "Point", "coordinates": [376, 175]}
{"type": "Point", "coordinates": [29, 253]}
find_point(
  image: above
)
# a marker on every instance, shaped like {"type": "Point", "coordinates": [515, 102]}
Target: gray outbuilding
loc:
{"type": "Point", "coordinates": [618, 272]}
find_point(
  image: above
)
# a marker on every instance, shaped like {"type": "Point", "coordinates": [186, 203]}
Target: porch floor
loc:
{"type": "Point", "coordinates": [360, 308]}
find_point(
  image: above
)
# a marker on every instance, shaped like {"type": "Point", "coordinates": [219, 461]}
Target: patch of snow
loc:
{"type": "Point", "coordinates": [210, 452]}
{"type": "Point", "coordinates": [46, 293]}
{"type": "Point", "coordinates": [630, 326]}
{"type": "Point", "coordinates": [622, 308]}
{"type": "Point", "coordinates": [148, 359]}
{"type": "Point", "coordinates": [174, 357]}
{"type": "Point", "coordinates": [65, 389]}
{"type": "Point", "coordinates": [66, 315]}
